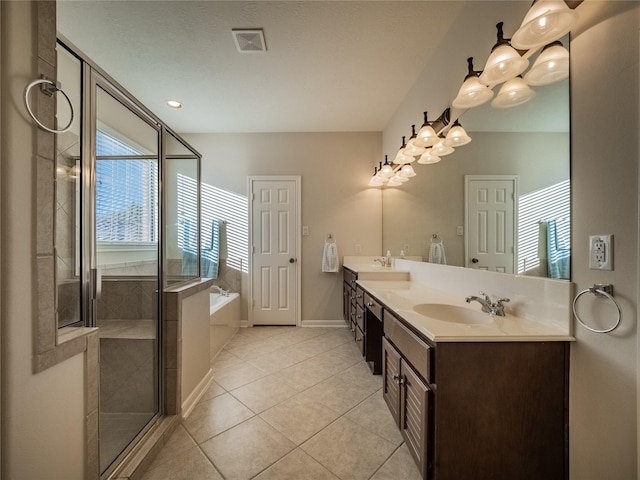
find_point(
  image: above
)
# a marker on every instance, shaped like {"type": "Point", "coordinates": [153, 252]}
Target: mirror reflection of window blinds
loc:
{"type": "Point", "coordinates": [126, 194]}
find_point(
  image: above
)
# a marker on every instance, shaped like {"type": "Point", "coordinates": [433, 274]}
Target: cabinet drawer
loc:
{"type": "Point", "coordinates": [359, 337]}
{"type": "Point", "coordinates": [416, 351]}
{"type": "Point", "coordinates": [373, 305]}
{"type": "Point", "coordinates": [360, 296]}
{"type": "Point", "coordinates": [360, 317]}
{"type": "Point", "coordinates": [349, 276]}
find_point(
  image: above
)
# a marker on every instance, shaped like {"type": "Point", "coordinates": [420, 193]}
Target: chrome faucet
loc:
{"type": "Point", "coordinates": [221, 291]}
{"type": "Point", "coordinates": [382, 261]}
{"type": "Point", "coordinates": [492, 308]}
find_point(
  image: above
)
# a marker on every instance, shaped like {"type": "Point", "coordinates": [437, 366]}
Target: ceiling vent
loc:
{"type": "Point", "coordinates": [249, 40]}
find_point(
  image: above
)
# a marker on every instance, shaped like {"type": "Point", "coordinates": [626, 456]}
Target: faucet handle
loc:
{"type": "Point", "coordinates": [503, 300]}
{"type": "Point", "coordinates": [485, 296]}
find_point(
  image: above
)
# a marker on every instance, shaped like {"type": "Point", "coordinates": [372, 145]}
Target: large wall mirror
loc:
{"type": "Point", "coordinates": [529, 143]}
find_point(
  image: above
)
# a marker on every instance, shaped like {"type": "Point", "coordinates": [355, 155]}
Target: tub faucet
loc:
{"type": "Point", "coordinates": [492, 308]}
{"type": "Point", "coordinates": [220, 290]}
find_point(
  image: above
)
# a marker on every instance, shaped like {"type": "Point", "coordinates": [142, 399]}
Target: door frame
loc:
{"type": "Point", "coordinates": [297, 179]}
{"type": "Point", "coordinates": [512, 178]}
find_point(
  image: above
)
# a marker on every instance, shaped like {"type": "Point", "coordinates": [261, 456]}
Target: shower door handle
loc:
{"type": "Point", "coordinates": [96, 283]}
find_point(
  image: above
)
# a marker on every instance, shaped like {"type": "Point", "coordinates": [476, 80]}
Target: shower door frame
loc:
{"type": "Point", "coordinates": [92, 80]}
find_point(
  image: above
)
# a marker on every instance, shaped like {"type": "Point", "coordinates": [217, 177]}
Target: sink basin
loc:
{"type": "Point", "coordinates": [452, 313]}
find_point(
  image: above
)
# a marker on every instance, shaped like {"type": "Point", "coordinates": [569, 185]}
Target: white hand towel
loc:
{"type": "Point", "coordinates": [436, 253]}
{"type": "Point", "coordinates": [330, 257]}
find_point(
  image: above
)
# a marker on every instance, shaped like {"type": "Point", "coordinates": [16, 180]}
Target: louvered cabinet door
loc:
{"type": "Point", "coordinates": [414, 398]}
{"type": "Point", "coordinates": [391, 378]}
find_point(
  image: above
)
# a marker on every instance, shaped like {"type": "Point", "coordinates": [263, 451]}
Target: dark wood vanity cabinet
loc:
{"type": "Point", "coordinates": [485, 410]}
{"type": "Point", "coordinates": [373, 328]}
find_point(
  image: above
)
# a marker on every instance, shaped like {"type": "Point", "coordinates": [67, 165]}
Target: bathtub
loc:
{"type": "Point", "coordinates": [224, 319]}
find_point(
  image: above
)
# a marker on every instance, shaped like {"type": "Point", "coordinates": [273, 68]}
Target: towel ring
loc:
{"type": "Point", "coordinates": [598, 290]}
{"type": "Point", "coordinates": [330, 239]}
{"type": "Point", "coordinates": [435, 237]}
{"type": "Point", "coordinates": [49, 91]}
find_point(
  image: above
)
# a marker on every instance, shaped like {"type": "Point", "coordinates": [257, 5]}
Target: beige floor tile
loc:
{"type": "Point", "coordinates": [299, 418]}
{"type": "Point", "coordinates": [245, 450]}
{"type": "Point", "coordinates": [340, 393]}
{"type": "Point", "coordinates": [374, 415]}
{"type": "Point", "coordinates": [225, 359]}
{"type": "Point", "coordinates": [238, 375]}
{"type": "Point", "coordinates": [213, 390]}
{"type": "Point", "coordinates": [278, 360]}
{"type": "Point", "coordinates": [211, 417]}
{"type": "Point", "coordinates": [178, 445]}
{"type": "Point", "coordinates": [192, 465]}
{"type": "Point", "coordinates": [399, 466]}
{"type": "Point", "coordinates": [348, 450]}
{"type": "Point", "coordinates": [306, 374]}
{"type": "Point", "coordinates": [264, 393]}
{"type": "Point", "coordinates": [297, 465]}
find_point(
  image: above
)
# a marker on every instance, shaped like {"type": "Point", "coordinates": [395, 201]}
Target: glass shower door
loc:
{"type": "Point", "coordinates": [126, 272]}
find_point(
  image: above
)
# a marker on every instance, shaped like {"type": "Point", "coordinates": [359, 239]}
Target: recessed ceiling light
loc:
{"type": "Point", "coordinates": [174, 104]}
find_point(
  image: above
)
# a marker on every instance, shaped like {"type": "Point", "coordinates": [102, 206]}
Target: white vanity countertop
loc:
{"type": "Point", "coordinates": [402, 296]}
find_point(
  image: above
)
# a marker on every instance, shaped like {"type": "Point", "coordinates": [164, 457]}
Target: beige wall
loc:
{"type": "Point", "coordinates": [43, 429]}
{"type": "Point", "coordinates": [604, 106]}
{"type": "Point", "coordinates": [604, 150]}
{"type": "Point", "coordinates": [335, 198]}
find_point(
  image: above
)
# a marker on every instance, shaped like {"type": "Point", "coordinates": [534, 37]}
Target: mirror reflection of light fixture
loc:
{"type": "Point", "coordinates": [413, 150]}
{"type": "Point", "coordinates": [375, 182]}
{"type": "Point", "coordinates": [427, 136]}
{"type": "Point", "coordinates": [74, 171]}
{"type": "Point", "coordinates": [428, 158]}
{"type": "Point", "coordinates": [407, 171]}
{"type": "Point", "coordinates": [386, 170]}
{"type": "Point", "coordinates": [546, 21]}
{"type": "Point", "coordinates": [513, 93]}
{"type": "Point", "coordinates": [552, 65]}
{"type": "Point", "coordinates": [440, 149]}
{"type": "Point", "coordinates": [456, 136]}
{"type": "Point", "coordinates": [503, 63]}
{"type": "Point", "coordinates": [472, 93]}
{"type": "Point", "coordinates": [399, 178]}
{"type": "Point", "coordinates": [393, 183]}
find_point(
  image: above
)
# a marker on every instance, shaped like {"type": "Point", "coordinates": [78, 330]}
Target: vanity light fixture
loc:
{"type": "Point", "coordinates": [428, 158]}
{"type": "Point", "coordinates": [504, 62]}
{"type": "Point", "coordinates": [472, 93]}
{"type": "Point", "coordinates": [546, 21]}
{"type": "Point", "coordinates": [413, 150]}
{"type": "Point", "coordinates": [456, 136]}
{"type": "Point", "coordinates": [552, 65]}
{"type": "Point", "coordinates": [440, 149]}
{"type": "Point", "coordinates": [174, 104]}
{"type": "Point", "coordinates": [399, 178]}
{"type": "Point", "coordinates": [386, 170]}
{"type": "Point", "coordinates": [513, 93]}
{"type": "Point", "coordinates": [427, 136]}
{"type": "Point", "coordinates": [407, 171]}
{"type": "Point", "coordinates": [401, 158]}
{"type": "Point", "coordinates": [394, 183]}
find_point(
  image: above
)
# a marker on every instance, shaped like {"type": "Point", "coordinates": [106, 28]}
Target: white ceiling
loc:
{"type": "Point", "coordinates": [329, 65]}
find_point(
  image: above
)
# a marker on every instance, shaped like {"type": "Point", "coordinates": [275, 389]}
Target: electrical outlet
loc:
{"type": "Point", "coordinates": [305, 231]}
{"type": "Point", "coordinates": [601, 252]}
{"type": "Point", "coordinates": [406, 248]}
{"type": "Point", "coordinates": [459, 230]}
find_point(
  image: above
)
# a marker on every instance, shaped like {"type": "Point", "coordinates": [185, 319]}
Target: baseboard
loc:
{"type": "Point", "coordinates": [323, 323]}
{"type": "Point", "coordinates": [196, 395]}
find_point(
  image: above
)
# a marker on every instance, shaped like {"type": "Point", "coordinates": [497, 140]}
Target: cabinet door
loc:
{"type": "Point", "coordinates": [415, 399]}
{"type": "Point", "coordinates": [391, 378]}
{"type": "Point", "coordinates": [346, 303]}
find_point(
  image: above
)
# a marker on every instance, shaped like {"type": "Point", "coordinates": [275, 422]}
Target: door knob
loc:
{"type": "Point", "coordinates": [474, 260]}
{"type": "Point", "coordinates": [292, 260]}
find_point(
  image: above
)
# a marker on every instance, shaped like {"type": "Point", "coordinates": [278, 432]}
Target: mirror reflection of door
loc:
{"type": "Point", "coordinates": [491, 222]}
{"type": "Point", "coordinates": [126, 271]}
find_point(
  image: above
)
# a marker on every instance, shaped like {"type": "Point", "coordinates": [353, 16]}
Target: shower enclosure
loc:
{"type": "Point", "coordinates": [128, 225]}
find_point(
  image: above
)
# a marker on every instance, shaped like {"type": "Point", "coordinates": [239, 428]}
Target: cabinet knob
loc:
{"type": "Point", "coordinates": [358, 339]}
{"type": "Point", "coordinates": [370, 304]}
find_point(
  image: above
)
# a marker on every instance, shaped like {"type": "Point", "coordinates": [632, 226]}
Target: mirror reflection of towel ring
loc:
{"type": "Point", "coordinates": [54, 88]}
{"type": "Point", "coordinates": [598, 291]}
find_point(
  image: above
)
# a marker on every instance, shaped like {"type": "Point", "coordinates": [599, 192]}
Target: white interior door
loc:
{"type": "Point", "coordinates": [490, 219]}
{"type": "Point", "coordinates": [275, 250]}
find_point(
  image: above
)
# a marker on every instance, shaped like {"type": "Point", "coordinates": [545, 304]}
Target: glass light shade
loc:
{"type": "Point", "coordinates": [472, 93]}
{"type": "Point", "coordinates": [426, 137]}
{"type": "Point", "coordinates": [393, 183]}
{"type": "Point", "coordinates": [513, 93]}
{"type": "Point", "coordinates": [456, 136]}
{"type": "Point", "coordinates": [546, 21]}
{"type": "Point", "coordinates": [401, 158]}
{"type": "Point", "coordinates": [552, 65]}
{"type": "Point", "coordinates": [399, 178]}
{"type": "Point", "coordinates": [386, 171]}
{"type": "Point", "coordinates": [407, 171]}
{"type": "Point", "coordinates": [376, 182]}
{"type": "Point", "coordinates": [413, 150]}
{"type": "Point", "coordinates": [440, 149]}
{"type": "Point", "coordinates": [503, 63]}
{"type": "Point", "coordinates": [428, 157]}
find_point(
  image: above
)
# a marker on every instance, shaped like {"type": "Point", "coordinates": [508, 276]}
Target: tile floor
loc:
{"type": "Point", "coordinates": [288, 403]}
